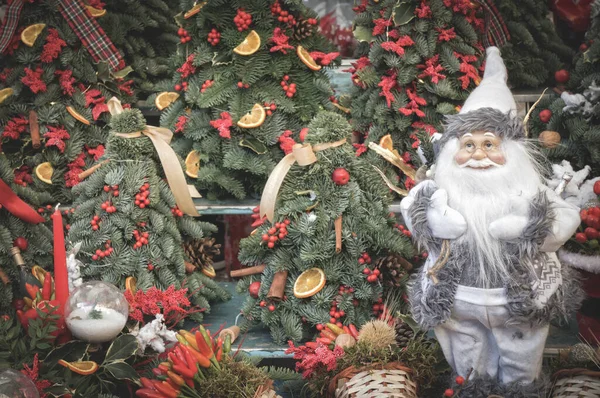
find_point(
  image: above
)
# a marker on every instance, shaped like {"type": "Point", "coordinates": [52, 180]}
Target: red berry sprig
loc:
{"type": "Point", "coordinates": [372, 275]}
{"type": "Point", "coordinates": [289, 88]}
{"type": "Point", "coordinates": [207, 84]}
{"type": "Point", "coordinates": [150, 267]}
{"type": "Point", "coordinates": [276, 233]}
{"type": "Point", "coordinates": [242, 20]}
{"type": "Point", "coordinates": [404, 230]}
{"type": "Point", "coordinates": [108, 207]}
{"type": "Point", "coordinates": [364, 259]}
{"type": "Point", "coordinates": [282, 15]}
{"type": "Point", "coordinates": [378, 307]}
{"type": "Point", "coordinates": [114, 189]}
{"type": "Point", "coordinates": [140, 238]}
{"type": "Point", "coordinates": [214, 37]}
{"type": "Point", "coordinates": [270, 107]}
{"type": "Point", "coordinates": [449, 392]}
{"type": "Point", "coordinates": [100, 254]}
{"type": "Point", "coordinates": [176, 211]}
{"type": "Point", "coordinates": [243, 85]}
{"type": "Point", "coordinates": [141, 198]}
{"type": "Point", "coordinates": [95, 223]}
{"type": "Point", "coordinates": [184, 36]}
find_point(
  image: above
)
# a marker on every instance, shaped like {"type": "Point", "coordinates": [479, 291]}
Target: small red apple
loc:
{"type": "Point", "coordinates": [580, 237]}
{"type": "Point", "coordinates": [561, 76]}
{"type": "Point", "coordinates": [591, 233]}
{"type": "Point", "coordinates": [597, 187]}
{"type": "Point", "coordinates": [545, 115]}
{"type": "Point", "coordinates": [21, 243]}
{"type": "Point", "coordinates": [340, 176]}
{"type": "Point", "coordinates": [253, 289]}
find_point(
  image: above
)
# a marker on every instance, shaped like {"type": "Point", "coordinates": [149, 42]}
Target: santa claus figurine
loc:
{"type": "Point", "coordinates": [492, 281]}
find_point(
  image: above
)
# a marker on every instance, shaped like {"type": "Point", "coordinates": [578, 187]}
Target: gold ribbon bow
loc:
{"type": "Point", "coordinates": [161, 139]}
{"type": "Point", "coordinates": [304, 155]}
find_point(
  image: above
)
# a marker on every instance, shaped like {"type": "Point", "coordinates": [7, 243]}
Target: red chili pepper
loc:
{"type": "Point", "coordinates": [324, 340]}
{"type": "Point", "coordinates": [203, 346]}
{"type": "Point", "coordinates": [219, 354]}
{"type": "Point", "coordinates": [190, 359]}
{"type": "Point", "coordinates": [346, 329]}
{"type": "Point", "coordinates": [328, 334]}
{"type": "Point", "coordinates": [175, 378]}
{"type": "Point", "coordinates": [353, 331]}
{"type": "Point", "coordinates": [46, 289]}
{"type": "Point", "coordinates": [175, 359]}
{"type": "Point", "coordinates": [180, 355]}
{"type": "Point", "coordinates": [190, 383]}
{"type": "Point", "coordinates": [184, 371]}
{"type": "Point", "coordinates": [166, 389]}
{"type": "Point", "coordinates": [164, 367]}
{"type": "Point", "coordinates": [147, 383]}
{"type": "Point", "coordinates": [147, 393]}
{"type": "Point", "coordinates": [200, 359]}
{"type": "Point", "coordinates": [32, 290]}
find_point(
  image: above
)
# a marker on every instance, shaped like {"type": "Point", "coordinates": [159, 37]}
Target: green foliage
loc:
{"type": "Point", "coordinates": [130, 121]}
{"type": "Point", "coordinates": [437, 73]}
{"type": "Point", "coordinates": [535, 51]}
{"type": "Point", "coordinates": [70, 78]}
{"type": "Point", "coordinates": [238, 165]}
{"type": "Point", "coordinates": [578, 126]}
{"type": "Point", "coordinates": [146, 238]}
{"type": "Point", "coordinates": [309, 201]}
{"type": "Point", "coordinates": [146, 34]}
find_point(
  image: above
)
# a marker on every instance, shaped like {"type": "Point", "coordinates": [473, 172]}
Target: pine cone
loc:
{"type": "Point", "coordinates": [200, 252]}
{"type": "Point", "coordinates": [302, 30]}
{"type": "Point", "coordinates": [404, 333]}
{"type": "Point", "coordinates": [394, 269]}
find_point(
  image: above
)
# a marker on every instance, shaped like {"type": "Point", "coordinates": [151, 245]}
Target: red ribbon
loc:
{"type": "Point", "coordinates": [16, 206]}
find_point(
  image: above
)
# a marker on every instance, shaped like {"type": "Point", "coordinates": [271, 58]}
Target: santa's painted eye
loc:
{"type": "Point", "coordinates": [469, 146]}
{"type": "Point", "coordinates": [488, 145]}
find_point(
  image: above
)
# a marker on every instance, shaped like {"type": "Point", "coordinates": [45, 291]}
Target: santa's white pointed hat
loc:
{"type": "Point", "coordinates": [492, 92]}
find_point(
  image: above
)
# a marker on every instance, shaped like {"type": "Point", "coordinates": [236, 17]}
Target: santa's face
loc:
{"type": "Point", "coordinates": [480, 150]}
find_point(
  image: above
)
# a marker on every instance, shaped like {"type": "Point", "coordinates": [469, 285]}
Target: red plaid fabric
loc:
{"type": "Point", "coordinates": [10, 23]}
{"type": "Point", "coordinates": [496, 31]}
{"type": "Point", "coordinates": [91, 34]}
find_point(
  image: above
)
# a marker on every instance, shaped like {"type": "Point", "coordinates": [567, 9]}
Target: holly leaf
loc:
{"type": "Point", "coordinates": [403, 13]}
{"type": "Point", "coordinates": [103, 71]}
{"type": "Point", "coordinates": [71, 351]}
{"type": "Point", "coordinates": [254, 144]}
{"type": "Point", "coordinates": [122, 348]}
{"type": "Point", "coordinates": [122, 371]}
{"type": "Point", "coordinates": [362, 33]}
{"type": "Point", "coordinates": [123, 72]}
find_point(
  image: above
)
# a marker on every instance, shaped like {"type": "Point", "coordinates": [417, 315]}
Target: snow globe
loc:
{"type": "Point", "coordinates": [14, 384]}
{"type": "Point", "coordinates": [96, 312]}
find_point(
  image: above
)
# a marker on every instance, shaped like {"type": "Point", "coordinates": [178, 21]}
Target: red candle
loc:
{"type": "Point", "coordinates": [61, 278]}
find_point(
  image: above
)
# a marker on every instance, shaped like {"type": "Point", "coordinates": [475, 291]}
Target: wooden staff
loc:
{"type": "Point", "coordinates": [240, 273]}
{"type": "Point", "coordinates": [278, 285]}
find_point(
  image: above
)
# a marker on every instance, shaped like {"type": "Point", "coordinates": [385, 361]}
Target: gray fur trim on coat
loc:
{"type": "Point", "coordinates": [484, 387]}
{"type": "Point", "coordinates": [487, 119]}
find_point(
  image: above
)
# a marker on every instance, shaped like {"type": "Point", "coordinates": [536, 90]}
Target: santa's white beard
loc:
{"type": "Point", "coordinates": [483, 196]}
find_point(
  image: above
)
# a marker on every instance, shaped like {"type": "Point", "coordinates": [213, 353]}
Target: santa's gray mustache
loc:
{"type": "Point", "coordinates": [479, 164]}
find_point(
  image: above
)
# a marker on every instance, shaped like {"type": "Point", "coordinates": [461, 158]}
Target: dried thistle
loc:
{"type": "Point", "coordinates": [377, 334]}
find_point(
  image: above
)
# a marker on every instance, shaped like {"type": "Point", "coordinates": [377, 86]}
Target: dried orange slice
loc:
{"type": "Point", "coordinates": [341, 108]}
{"type": "Point", "coordinates": [96, 12]}
{"type": "Point", "coordinates": [80, 367]}
{"type": "Point", "coordinates": [254, 118]}
{"type": "Point", "coordinates": [386, 142]}
{"type": "Point", "coordinates": [309, 283]}
{"type": "Point", "coordinates": [5, 93]}
{"type": "Point", "coordinates": [44, 172]}
{"type": "Point", "coordinates": [77, 115]}
{"type": "Point", "coordinates": [165, 99]}
{"type": "Point", "coordinates": [250, 45]}
{"type": "Point", "coordinates": [192, 164]}
{"type": "Point", "coordinates": [194, 10]}
{"type": "Point", "coordinates": [307, 59]}
{"type": "Point", "coordinates": [209, 271]}
{"type": "Point", "coordinates": [131, 284]}
{"type": "Point", "coordinates": [31, 33]}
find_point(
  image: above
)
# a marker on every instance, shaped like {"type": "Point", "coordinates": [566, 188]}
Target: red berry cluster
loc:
{"type": "Point", "coordinates": [378, 307]}
{"type": "Point", "coordinates": [141, 198]}
{"type": "Point", "coordinates": [207, 84]}
{"type": "Point", "coordinates": [270, 107]}
{"type": "Point", "coordinates": [150, 267]}
{"type": "Point", "coordinates": [282, 15]}
{"type": "Point", "coordinates": [450, 392]}
{"type": "Point", "coordinates": [364, 259]}
{"type": "Point", "coordinates": [95, 223]}
{"type": "Point", "coordinates": [242, 20]}
{"type": "Point", "coordinates": [48, 208]}
{"type": "Point", "coordinates": [591, 219]}
{"type": "Point", "coordinates": [108, 207]}
{"type": "Point", "coordinates": [103, 253]}
{"type": "Point", "coordinates": [214, 37]}
{"type": "Point", "coordinates": [372, 275]}
{"type": "Point", "coordinates": [177, 212]}
{"type": "Point", "coordinates": [184, 36]}
{"type": "Point", "coordinates": [140, 238]}
{"type": "Point", "coordinates": [271, 307]}
{"type": "Point", "coordinates": [335, 313]}
{"type": "Point", "coordinates": [243, 85]}
{"type": "Point", "coordinates": [114, 188]}
{"type": "Point", "coordinates": [289, 88]}
{"type": "Point", "coordinates": [404, 230]}
{"type": "Point", "coordinates": [183, 86]}
{"type": "Point", "coordinates": [256, 217]}
{"type": "Point", "coordinates": [278, 232]}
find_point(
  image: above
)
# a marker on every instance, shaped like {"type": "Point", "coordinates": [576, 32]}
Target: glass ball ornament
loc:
{"type": "Point", "coordinates": [15, 384]}
{"type": "Point", "coordinates": [96, 312]}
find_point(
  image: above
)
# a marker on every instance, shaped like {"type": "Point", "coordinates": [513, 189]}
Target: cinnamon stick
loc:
{"type": "Point", "coordinates": [85, 174]}
{"type": "Point", "coordinates": [278, 285]}
{"type": "Point", "coordinates": [338, 234]}
{"type": "Point", "coordinates": [240, 273]}
{"type": "Point", "coordinates": [34, 129]}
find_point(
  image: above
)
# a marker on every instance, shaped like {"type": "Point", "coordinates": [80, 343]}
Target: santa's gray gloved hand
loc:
{"type": "Point", "coordinates": [511, 227]}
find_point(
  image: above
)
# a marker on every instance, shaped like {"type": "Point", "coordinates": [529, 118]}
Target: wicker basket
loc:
{"type": "Point", "coordinates": [266, 391]}
{"type": "Point", "coordinates": [389, 380]}
{"type": "Point", "coordinates": [576, 383]}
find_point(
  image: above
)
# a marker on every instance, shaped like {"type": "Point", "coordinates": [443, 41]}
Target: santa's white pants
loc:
{"type": "Point", "coordinates": [477, 336]}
